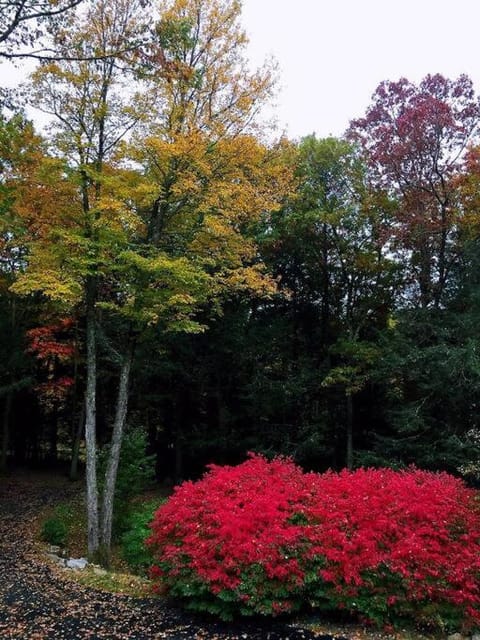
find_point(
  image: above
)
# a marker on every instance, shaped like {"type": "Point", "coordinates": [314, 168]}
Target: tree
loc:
{"type": "Point", "coordinates": [22, 166]}
{"type": "Point", "coordinates": [327, 246]}
{"type": "Point", "coordinates": [150, 250]}
{"type": "Point", "coordinates": [54, 349]}
{"type": "Point", "coordinates": [207, 84]}
{"type": "Point", "coordinates": [94, 110]}
{"type": "Point", "coordinates": [414, 137]}
{"type": "Point", "coordinates": [427, 378]}
{"type": "Point", "coordinates": [206, 179]}
{"type": "Point", "coordinates": [25, 22]}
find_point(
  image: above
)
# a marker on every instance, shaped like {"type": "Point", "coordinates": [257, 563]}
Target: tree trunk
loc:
{"type": "Point", "coordinates": [8, 398]}
{"type": "Point", "coordinates": [349, 457]}
{"type": "Point", "coordinates": [73, 475]}
{"type": "Point", "coordinates": [77, 421]}
{"type": "Point", "coordinates": [53, 439]}
{"type": "Point", "coordinates": [178, 474]}
{"type": "Point", "coordinates": [5, 431]}
{"type": "Point", "coordinates": [442, 262]}
{"type": "Point", "coordinates": [90, 422]}
{"type": "Point", "coordinates": [114, 456]}
{"type": "Point", "coordinates": [325, 286]}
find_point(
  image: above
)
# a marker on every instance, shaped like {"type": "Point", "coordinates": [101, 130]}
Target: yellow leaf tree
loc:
{"type": "Point", "coordinates": [163, 148]}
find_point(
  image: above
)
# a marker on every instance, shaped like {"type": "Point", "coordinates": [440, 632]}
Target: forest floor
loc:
{"type": "Point", "coordinates": [40, 601]}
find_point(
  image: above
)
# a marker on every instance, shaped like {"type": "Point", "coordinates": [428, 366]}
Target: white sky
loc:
{"type": "Point", "coordinates": [334, 53]}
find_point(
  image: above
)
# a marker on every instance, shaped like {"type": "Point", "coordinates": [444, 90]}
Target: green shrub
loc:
{"type": "Point", "coordinates": [54, 531]}
{"type": "Point", "coordinates": [133, 548]}
{"type": "Point", "coordinates": [56, 528]}
{"type": "Point", "coordinates": [136, 471]}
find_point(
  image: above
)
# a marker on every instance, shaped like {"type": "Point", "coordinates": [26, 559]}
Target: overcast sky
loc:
{"type": "Point", "coordinates": [334, 53]}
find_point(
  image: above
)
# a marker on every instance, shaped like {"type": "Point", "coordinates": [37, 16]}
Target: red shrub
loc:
{"type": "Point", "coordinates": [264, 537]}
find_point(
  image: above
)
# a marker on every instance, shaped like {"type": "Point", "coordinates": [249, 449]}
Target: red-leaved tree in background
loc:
{"type": "Point", "coordinates": [414, 138]}
{"type": "Point", "coordinates": [54, 347]}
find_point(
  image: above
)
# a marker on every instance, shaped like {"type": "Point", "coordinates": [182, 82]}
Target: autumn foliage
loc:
{"type": "Point", "coordinates": [265, 537]}
{"type": "Point", "coordinates": [54, 348]}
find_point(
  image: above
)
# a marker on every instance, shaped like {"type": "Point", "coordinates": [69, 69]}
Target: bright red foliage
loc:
{"type": "Point", "coordinates": [264, 537]}
{"type": "Point", "coordinates": [49, 341]}
{"type": "Point", "coordinates": [54, 347]}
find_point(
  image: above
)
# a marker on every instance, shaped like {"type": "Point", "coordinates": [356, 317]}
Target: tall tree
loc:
{"type": "Point", "coordinates": [22, 166]}
{"type": "Point", "coordinates": [144, 249]}
{"type": "Point", "coordinates": [94, 108]}
{"type": "Point", "coordinates": [414, 137]}
{"type": "Point", "coordinates": [328, 246]}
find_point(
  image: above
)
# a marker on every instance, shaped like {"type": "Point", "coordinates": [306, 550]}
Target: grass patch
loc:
{"type": "Point", "coordinates": [65, 525]}
{"type": "Point", "coordinates": [111, 581]}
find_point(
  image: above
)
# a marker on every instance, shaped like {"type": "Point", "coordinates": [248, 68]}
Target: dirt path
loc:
{"type": "Point", "coordinates": [37, 604]}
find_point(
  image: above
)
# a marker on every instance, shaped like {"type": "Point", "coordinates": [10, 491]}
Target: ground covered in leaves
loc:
{"type": "Point", "coordinates": [40, 602]}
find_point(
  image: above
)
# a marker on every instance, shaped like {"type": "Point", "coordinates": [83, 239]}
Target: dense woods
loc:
{"type": "Point", "coordinates": [168, 265]}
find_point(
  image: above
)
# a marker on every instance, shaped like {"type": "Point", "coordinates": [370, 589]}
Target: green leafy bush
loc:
{"type": "Point", "coordinates": [56, 528]}
{"type": "Point", "coordinates": [136, 472]}
{"type": "Point", "coordinates": [54, 531]}
{"type": "Point", "coordinates": [133, 548]}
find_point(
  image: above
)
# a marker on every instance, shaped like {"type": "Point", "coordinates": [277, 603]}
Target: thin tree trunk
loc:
{"type": "Point", "coordinates": [442, 269]}
{"type": "Point", "coordinates": [5, 431]}
{"type": "Point", "coordinates": [77, 421]}
{"type": "Point", "coordinates": [90, 423]}
{"type": "Point", "coordinates": [76, 446]}
{"type": "Point", "coordinates": [325, 308]}
{"type": "Point", "coordinates": [8, 399]}
{"type": "Point", "coordinates": [349, 456]}
{"type": "Point", "coordinates": [114, 455]}
{"type": "Point", "coordinates": [53, 440]}
{"type": "Point", "coordinates": [178, 454]}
